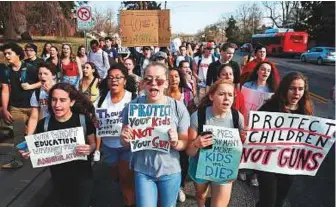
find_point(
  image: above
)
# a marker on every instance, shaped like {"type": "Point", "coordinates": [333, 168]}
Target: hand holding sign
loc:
{"type": "Point", "coordinates": [173, 137]}
{"type": "Point", "coordinates": [203, 141]}
{"type": "Point", "coordinates": [126, 135]}
{"type": "Point", "coordinates": [83, 149]}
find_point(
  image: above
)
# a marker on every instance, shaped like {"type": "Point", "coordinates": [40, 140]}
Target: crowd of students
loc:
{"type": "Point", "coordinates": [201, 83]}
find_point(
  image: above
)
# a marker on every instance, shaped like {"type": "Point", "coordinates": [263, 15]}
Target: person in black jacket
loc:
{"type": "Point", "coordinates": [292, 96]}
{"type": "Point", "coordinates": [142, 59]}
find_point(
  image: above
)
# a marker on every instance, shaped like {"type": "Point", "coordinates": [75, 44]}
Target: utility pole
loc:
{"type": "Point", "coordinates": [165, 4]}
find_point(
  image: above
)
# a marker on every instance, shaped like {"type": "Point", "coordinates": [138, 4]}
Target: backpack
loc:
{"type": "Point", "coordinates": [200, 60]}
{"type": "Point", "coordinates": [81, 119]}
{"type": "Point", "coordinates": [23, 73]}
{"type": "Point", "coordinates": [201, 119]}
{"type": "Point", "coordinates": [37, 94]}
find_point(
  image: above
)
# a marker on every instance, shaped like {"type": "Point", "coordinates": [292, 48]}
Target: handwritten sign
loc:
{"type": "Point", "coordinates": [287, 143]}
{"type": "Point", "coordinates": [55, 147]}
{"type": "Point", "coordinates": [150, 124]}
{"type": "Point", "coordinates": [145, 27]}
{"type": "Point", "coordinates": [220, 163]}
{"type": "Point", "coordinates": [254, 99]}
{"type": "Point", "coordinates": [110, 122]}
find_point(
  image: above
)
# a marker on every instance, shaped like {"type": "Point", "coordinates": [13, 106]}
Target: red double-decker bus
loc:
{"type": "Point", "coordinates": [282, 41]}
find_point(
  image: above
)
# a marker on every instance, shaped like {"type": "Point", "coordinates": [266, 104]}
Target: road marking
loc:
{"type": "Point", "coordinates": [6, 145]}
{"type": "Point", "coordinates": [319, 98]}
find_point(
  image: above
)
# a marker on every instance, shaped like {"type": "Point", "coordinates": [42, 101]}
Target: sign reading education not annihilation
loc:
{"type": "Point", "coordinates": [287, 143]}
{"type": "Point", "coordinates": [220, 163]}
{"type": "Point", "coordinates": [55, 147]}
{"type": "Point", "coordinates": [145, 28]}
{"type": "Point", "coordinates": [150, 124]}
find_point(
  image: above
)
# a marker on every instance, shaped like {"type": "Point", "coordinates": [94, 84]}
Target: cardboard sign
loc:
{"type": "Point", "coordinates": [55, 147]}
{"type": "Point", "coordinates": [254, 99]}
{"type": "Point", "coordinates": [110, 122]}
{"type": "Point", "coordinates": [145, 27]}
{"type": "Point", "coordinates": [287, 143]}
{"type": "Point", "coordinates": [150, 124]}
{"type": "Point", "coordinates": [220, 163]}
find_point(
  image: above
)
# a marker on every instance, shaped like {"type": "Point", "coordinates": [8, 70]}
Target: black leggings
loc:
{"type": "Point", "coordinates": [273, 188]}
{"type": "Point", "coordinates": [184, 160]}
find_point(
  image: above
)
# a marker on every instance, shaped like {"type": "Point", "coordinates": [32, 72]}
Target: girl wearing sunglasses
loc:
{"type": "Point", "coordinates": [158, 174]}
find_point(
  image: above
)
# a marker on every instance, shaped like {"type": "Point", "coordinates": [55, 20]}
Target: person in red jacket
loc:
{"type": "Point", "coordinates": [226, 72]}
{"type": "Point", "coordinates": [260, 56]}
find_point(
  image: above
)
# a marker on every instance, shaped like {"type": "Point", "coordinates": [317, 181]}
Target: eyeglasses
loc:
{"type": "Point", "coordinates": [149, 80]}
{"type": "Point", "coordinates": [118, 78]}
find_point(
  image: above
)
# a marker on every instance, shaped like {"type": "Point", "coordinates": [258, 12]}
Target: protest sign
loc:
{"type": "Point", "coordinates": [55, 147]}
{"type": "Point", "coordinates": [150, 124]}
{"type": "Point", "coordinates": [287, 143]}
{"type": "Point", "coordinates": [145, 27]}
{"type": "Point", "coordinates": [110, 122]}
{"type": "Point", "coordinates": [254, 99]}
{"type": "Point", "coordinates": [220, 163]}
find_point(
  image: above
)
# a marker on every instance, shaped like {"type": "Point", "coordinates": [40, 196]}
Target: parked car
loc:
{"type": "Point", "coordinates": [319, 55]}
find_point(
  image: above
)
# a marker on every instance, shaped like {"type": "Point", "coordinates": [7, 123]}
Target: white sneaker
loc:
{"type": "Point", "coordinates": [181, 195]}
{"type": "Point", "coordinates": [96, 156]}
{"type": "Point", "coordinates": [254, 182]}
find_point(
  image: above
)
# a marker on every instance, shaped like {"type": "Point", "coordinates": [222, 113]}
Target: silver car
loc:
{"type": "Point", "coordinates": [319, 55]}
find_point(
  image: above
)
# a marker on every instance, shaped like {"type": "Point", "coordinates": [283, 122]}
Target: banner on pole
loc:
{"type": "Point", "coordinates": [145, 28]}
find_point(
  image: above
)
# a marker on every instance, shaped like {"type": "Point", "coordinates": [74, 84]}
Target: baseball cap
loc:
{"type": "Point", "coordinates": [160, 54]}
{"type": "Point", "coordinates": [209, 46]}
{"type": "Point", "coordinates": [146, 48]}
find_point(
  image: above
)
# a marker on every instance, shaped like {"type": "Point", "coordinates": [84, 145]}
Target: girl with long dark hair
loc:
{"type": "Point", "coordinates": [292, 96]}
{"type": "Point", "coordinates": [72, 180]}
{"type": "Point", "coordinates": [90, 81]}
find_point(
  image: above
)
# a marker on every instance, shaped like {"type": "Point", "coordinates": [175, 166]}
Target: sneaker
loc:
{"type": "Point", "coordinates": [254, 182]}
{"type": "Point", "coordinates": [96, 156]}
{"type": "Point", "coordinates": [181, 196]}
{"type": "Point", "coordinates": [13, 164]}
{"type": "Point", "coordinates": [242, 176]}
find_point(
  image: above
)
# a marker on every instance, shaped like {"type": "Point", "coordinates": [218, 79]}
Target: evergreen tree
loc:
{"type": "Point", "coordinates": [232, 30]}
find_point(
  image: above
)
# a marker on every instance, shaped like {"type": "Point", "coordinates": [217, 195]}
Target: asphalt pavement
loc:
{"type": "Point", "coordinates": [32, 187]}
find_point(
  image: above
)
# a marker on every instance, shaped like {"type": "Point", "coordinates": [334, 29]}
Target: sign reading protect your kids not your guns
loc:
{"type": "Point", "coordinates": [55, 147]}
{"type": "Point", "coordinates": [220, 163]}
{"type": "Point", "coordinates": [150, 124]}
{"type": "Point", "coordinates": [287, 143]}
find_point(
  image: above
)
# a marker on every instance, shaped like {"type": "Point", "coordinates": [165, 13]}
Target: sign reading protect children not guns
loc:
{"type": "Point", "coordinates": [55, 147]}
{"type": "Point", "coordinates": [287, 143]}
{"type": "Point", "coordinates": [145, 28]}
{"type": "Point", "coordinates": [150, 124]}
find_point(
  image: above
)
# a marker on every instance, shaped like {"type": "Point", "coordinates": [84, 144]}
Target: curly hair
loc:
{"type": "Point", "coordinates": [271, 81]}
{"type": "Point", "coordinates": [183, 82]}
{"type": "Point", "coordinates": [82, 104]}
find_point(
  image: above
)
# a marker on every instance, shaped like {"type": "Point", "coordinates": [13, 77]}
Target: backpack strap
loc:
{"type": "Point", "coordinates": [201, 119]}
{"type": "Point", "coordinates": [46, 123]}
{"type": "Point", "coordinates": [213, 58]}
{"type": "Point", "coordinates": [177, 113]}
{"type": "Point", "coordinates": [82, 122]}
{"type": "Point", "coordinates": [199, 63]}
{"type": "Point", "coordinates": [102, 98]}
{"type": "Point", "coordinates": [235, 117]}
{"type": "Point", "coordinates": [103, 57]}
{"type": "Point", "coordinates": [37, 94]}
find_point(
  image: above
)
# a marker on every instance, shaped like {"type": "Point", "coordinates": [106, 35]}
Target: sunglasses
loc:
{"type": "Point", "coordinates": [149, 80]}
{"type": "Point", "coordinates": [118, 78]}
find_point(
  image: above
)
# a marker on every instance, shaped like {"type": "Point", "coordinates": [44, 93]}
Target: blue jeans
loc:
{"type": "Point", "coordinates": [148, 188]}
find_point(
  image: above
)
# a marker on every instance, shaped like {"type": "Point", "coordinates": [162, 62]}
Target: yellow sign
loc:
{"type": "Point", "coordinates": [145, 27]}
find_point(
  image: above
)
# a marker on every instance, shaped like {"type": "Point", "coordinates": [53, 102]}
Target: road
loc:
{"type": "Point", "coordinates": [306, 191]}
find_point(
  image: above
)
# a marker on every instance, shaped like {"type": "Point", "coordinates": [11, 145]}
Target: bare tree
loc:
{"type": "Point", "coordinates": [283, 13]}
{"type": "Point", "coordinates": [249, 20]}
